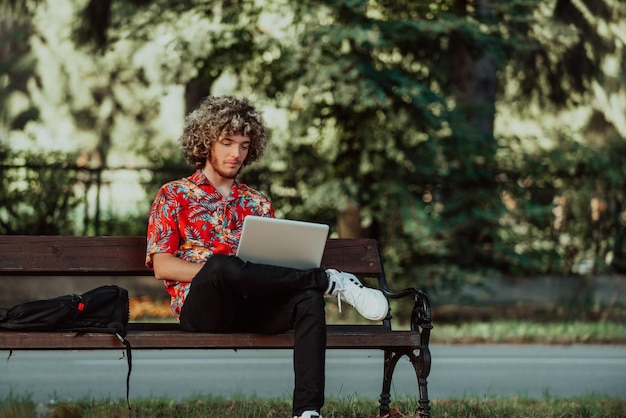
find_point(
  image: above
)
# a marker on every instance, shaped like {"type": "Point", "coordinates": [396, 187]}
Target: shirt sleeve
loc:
{"type": "Point", "coordinates": [163, 235]}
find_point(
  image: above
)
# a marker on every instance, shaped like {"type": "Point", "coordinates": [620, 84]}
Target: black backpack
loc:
{"type": "Point", "coordinates": [104, 309]}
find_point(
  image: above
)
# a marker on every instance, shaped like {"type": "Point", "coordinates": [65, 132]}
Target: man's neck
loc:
{"type": "Point", "coordinates": [222, 184]}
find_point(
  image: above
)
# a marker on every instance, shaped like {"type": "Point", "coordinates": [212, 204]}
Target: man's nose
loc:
{"type": "Point", "coordinates": [237, 152]}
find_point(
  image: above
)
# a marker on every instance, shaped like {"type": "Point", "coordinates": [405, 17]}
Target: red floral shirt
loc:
{"type": "Point", "coordinates": [192, 220]}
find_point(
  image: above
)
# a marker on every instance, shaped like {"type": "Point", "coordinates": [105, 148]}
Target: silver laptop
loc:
{"type": "Point", "coordinates": [282, 242]}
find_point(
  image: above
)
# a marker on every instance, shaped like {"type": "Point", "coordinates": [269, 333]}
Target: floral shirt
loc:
{"type": "Point", "coordinates": [192, 220]}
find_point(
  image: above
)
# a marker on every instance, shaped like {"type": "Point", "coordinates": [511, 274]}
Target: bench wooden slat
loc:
{"type": "Point", "coordinates": [366, 337]}
{"type": "Point", "coordinates": [124, 256]}
{"type": "Point", "coordinates": [55, 255]}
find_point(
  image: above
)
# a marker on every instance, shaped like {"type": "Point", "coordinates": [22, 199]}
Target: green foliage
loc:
{"type": "Point", "coordinates": [37, 196]}
{"type": "Point", "coordinates": [375, 127]}
{"type": "Point", "coordinates": [16, 68]}
{"type": "Point", "coordinates": [568, 207]}
{"type": "Point", "coordinates": [401, 115]}
{"type": "Point", "coordinates": [500, 331]}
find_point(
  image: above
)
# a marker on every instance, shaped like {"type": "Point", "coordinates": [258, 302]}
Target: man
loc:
{"type": "Point", "coordinates": [193, 231]}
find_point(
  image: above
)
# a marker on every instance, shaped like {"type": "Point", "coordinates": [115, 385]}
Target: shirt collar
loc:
{"type": "Point", "coordinates": [199, 179]}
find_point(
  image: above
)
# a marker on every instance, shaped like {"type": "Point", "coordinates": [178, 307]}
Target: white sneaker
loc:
{"type": "Point", "coordinates": [371, 303]}
{"type": "Point", "coordinates": [309, 414]}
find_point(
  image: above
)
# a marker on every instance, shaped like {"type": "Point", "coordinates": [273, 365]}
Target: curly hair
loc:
{"type": "Point", "coordinates": [216, 118]}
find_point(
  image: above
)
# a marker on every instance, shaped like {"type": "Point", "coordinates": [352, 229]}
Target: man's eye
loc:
{"type": "Point", "coordinates": [245, 147]}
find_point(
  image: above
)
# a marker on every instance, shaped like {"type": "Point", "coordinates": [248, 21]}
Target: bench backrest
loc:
{"type": "Point", "coordinates": [124, 256]}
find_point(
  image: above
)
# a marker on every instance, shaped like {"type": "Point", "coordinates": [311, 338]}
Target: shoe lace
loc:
{"type": "Point", "coordinates": [339, 300]}
{"type": "Point", "coordinates": [347, 294]}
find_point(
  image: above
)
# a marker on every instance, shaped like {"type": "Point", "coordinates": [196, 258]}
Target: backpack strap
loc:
{"type": "Point", "coordinates": [129, 360]}
{"type": "Point", "coordinates": [119, 331]}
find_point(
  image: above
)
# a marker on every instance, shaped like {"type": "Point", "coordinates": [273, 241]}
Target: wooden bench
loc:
{"type": "Point", "coordinates": [124, 256]}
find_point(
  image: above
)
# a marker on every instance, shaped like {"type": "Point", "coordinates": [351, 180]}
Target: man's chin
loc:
{"type": "Point", "coordinates": [229, 174]}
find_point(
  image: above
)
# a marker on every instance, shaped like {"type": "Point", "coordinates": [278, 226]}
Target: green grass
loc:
{"type": "Point", "coordinates": [349, 408]}
{"type": "Point", "coordinates": [511, 331]}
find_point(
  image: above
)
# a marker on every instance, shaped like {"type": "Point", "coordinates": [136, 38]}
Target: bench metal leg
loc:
{"type": "Point", "coordinates": [421, 364]}
{"type": "Point", "coordinates": [420, 359]}
{"type": "Point", "coordinates": [419, 356]}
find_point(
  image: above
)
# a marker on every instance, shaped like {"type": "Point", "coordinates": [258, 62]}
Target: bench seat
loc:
{"type": "Point", "coordinates": [169, 336]}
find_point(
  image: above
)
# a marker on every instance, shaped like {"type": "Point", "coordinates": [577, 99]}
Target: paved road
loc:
{"type": "Point", "coordinates": [494, 370]}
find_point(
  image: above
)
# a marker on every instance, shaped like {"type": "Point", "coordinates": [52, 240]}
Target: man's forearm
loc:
{"type": "Point", "coordinates": [169, 267]}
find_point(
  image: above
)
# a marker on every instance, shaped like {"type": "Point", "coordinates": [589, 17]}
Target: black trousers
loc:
{"type": "Point", "coordinates": [230, 295]}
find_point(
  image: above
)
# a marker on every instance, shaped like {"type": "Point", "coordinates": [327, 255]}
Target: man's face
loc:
{"type": "Point", "coordinates": [227, 155]}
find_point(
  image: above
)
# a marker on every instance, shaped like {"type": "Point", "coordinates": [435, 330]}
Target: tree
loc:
{"type": "Point", "coordinates": [389, 81]}
{"type": "Point", "coordinates": [398, 116]}
{"type": "Point", "coordinates": [563, 189]}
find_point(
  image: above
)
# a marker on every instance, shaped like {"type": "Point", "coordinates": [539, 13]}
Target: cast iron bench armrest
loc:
{"type": "Point", "coordinates": [421, 319]}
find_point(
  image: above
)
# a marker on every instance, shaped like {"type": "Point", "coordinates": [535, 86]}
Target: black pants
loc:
{"type": "Point", "coordinates": [230, 295]}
